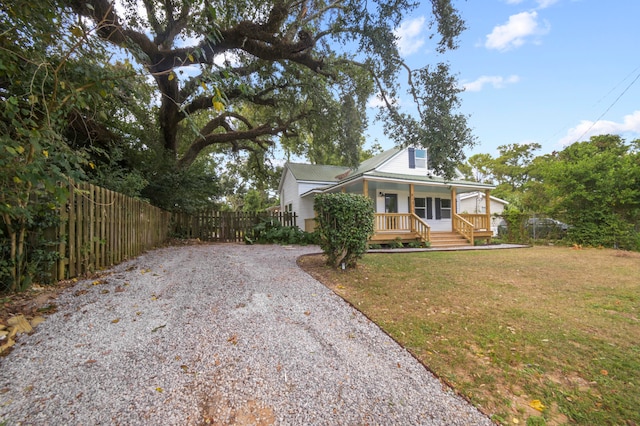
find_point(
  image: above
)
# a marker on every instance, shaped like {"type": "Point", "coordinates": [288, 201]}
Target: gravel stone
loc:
{"type": "Point", "coordinates": [217, 334]}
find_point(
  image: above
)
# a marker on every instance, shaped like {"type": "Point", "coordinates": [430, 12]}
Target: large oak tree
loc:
{"type": "Point", "coordinates": [297, 71]}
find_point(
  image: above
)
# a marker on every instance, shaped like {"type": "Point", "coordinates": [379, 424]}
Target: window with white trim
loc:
{"type": "Point", "coordinates": [421, 158]}
{"type": "Point", "coordinates": [417, 158]}
{"type": "Point", "coordinates": [445, 208]}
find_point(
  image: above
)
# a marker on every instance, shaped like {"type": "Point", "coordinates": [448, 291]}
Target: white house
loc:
{"type": "Point", "coordinates": [475, 202]}
{"type": "Point", "coordinates": [411, 203]}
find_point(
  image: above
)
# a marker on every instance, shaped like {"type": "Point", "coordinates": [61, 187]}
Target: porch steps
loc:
{"type": "Point", "coordinates": [448, 239]}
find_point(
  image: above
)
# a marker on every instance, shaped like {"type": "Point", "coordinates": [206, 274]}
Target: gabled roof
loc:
{"type": "Point", "coordinates": [376, 161]}
{"type": "Point", "coordinates": [322, 173]}
{"type": "Point", "coordinates": [316, 172]}
{"type": "Point", "coordinates": [466, 195]}
{"type": "Point", "coordinates": [336, 176]}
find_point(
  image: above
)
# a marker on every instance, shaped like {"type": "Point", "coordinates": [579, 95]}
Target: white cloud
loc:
{"type": "Point", "coordinates": [583, 131]}
{"type": "Point", "coordinates": [543, 4]}
{"type": "Point", "coordinates": [410, 36]}
{"type": "Point", "coordinates": [515, 32]}
{"type": "Point", "coordinates": [497, 81]}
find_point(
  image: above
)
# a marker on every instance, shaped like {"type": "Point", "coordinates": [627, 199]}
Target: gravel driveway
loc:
{"type": "Point", "coordinates": [217, 334]}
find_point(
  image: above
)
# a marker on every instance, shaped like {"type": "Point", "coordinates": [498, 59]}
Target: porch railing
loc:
{"type": "Point", "coordinates": [402, 222]}
{"type": "Point", "coordinates": [421, 227]}
{"type": "Point", "coordinates": [479, 221]}
{"type": "Point", "coordinates": [463, 227]}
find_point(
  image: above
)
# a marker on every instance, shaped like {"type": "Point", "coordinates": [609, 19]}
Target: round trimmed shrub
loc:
{"type": "Point", "coordinates": [345, 224]}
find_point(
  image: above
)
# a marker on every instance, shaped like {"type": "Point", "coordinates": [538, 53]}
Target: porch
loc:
{"type": "Point", "coordinates": [409, 227]}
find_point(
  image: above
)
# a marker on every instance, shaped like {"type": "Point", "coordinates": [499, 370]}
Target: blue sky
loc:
{"type": "Point", "coordinates": [546, 71]}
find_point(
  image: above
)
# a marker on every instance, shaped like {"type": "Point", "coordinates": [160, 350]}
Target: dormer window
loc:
{"type": "Point", "coordinates": [417, 158]}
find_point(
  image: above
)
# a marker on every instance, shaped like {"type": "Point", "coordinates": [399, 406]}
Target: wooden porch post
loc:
{"type": "Point", "coordinates": [412, 199]}
{"type": "Point", "coordinates": [487, 200]}
{"type": "Point", "coordinates": [454, 208]}
{"type": "Point", "coordinates": [412, 206]}
{"type": "Point", "coordinates": [365, 187]}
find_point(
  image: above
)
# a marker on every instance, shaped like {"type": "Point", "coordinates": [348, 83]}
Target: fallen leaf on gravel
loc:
{"type": "Point", "coordinates": [233, 339]}
{"type": "Point", "coordinates": [35, 321]}
{"type": "Point", "coordinates": [49, 309]}
{"type": "Point", "coordinates": [19, 324]}
{"type": "Point", "coordinates": [159, 389]}
{"type": "Point", "coordinates": [115, 321]}
{"type": "Point", "coordinates": [307, 313]}
{"type": "Point", "coordinates": [90, 361]}
{"type": "Point", "coordinates": [119, 289]}
{"type": "Point", "coordinates": [158, 328]}
{"type": "Point", "coordinates": [79, 292]}
{"type": "Point", "coordinates": [10, 343]}
{"type": "Point", "coordinates": [105, 291]}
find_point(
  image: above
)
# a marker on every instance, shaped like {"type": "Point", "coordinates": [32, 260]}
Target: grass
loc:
{"type": "Point", "coordinates": [537, 336]}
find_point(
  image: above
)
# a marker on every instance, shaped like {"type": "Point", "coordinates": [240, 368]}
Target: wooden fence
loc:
{"type": "Point", "coordinates": [222, 226]}
{"type": "Point", "coordinates": [100, 228]}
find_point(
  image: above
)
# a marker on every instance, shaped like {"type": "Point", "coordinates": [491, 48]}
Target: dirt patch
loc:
{"type": "Point", "coordinates": [218, 410]}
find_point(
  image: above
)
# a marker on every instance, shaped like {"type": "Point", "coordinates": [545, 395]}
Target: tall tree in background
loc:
{"type": "Point", "coordinates": [595, 186]}
{"type": "Point", "coordinates": [282, 69]}
{"type": "Point", "coordinates": [511, 169]}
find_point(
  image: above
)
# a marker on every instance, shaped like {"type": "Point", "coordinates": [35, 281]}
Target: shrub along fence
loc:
{"type": "Point", "coordinates": [220, 226]}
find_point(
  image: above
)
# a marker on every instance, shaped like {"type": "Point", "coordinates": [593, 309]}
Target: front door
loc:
{"type": "Point", "coordinates": [391, 206]}
{"type": "Point", "coordinates": [391, 203]}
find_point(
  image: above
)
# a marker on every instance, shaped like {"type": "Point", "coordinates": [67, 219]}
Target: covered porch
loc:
{"type": "Point", "coordinates": [425, 212]}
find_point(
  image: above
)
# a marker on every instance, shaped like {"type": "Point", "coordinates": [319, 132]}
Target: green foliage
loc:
{"type": "Point", "coordinates": [301, 74]}
{"type": "Point", "coordinates": [45, 82]}
{"type": "Point", "coordinates": [419, 244]}
{"type": "Point", "coordinates": [514, 231]}
{"type": "Point", "coordinates": [595, 186]}
{"type": "Point", "coordinates": [345, 224]}
{"type": "Point", "coordinates": [271, 231]}
{"type": "Point", "coordinates": [396, 244]}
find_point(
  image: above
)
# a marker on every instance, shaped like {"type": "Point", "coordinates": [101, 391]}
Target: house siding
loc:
{"type": "Point", "coordinates": [474, 205]}
{"type": "Point", "coordinates": [289, 193]}
{"type": "Point", "coordinates": [399, 164]}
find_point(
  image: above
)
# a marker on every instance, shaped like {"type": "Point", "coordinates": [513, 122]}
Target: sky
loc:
{"type": "Point", "coordinates": [547, 71]}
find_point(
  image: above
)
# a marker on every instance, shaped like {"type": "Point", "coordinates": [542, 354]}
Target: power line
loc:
{"type": "Point", "coordinates": [610, 106]}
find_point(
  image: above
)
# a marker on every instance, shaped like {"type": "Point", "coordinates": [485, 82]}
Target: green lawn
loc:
{"type": "Point", "coordinates": [543, 335]}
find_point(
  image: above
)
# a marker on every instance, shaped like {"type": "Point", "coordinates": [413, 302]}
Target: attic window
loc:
{"type": "Point", "coordinates": [421, 158]}
{"type": "Point", "coordinates": [417, 158]}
